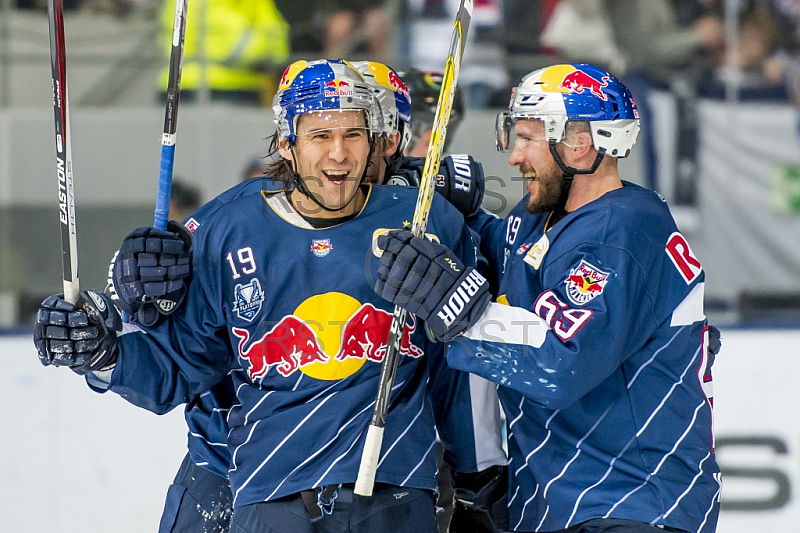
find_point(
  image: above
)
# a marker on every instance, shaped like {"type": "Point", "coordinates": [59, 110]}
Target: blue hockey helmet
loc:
{"type": "Point", "coordinates": [322, 85]}
{"type": "Point", "coordinates": [578, 92]}
{"type": "Point", "coordinates": [393, 96]}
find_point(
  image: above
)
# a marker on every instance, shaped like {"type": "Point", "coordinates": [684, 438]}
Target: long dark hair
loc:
{"type": "Point", "coordinates": [279, 169]}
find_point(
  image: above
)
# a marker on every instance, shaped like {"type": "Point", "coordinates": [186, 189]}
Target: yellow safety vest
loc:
{"type": "Point", "coordinates": [237, 34]}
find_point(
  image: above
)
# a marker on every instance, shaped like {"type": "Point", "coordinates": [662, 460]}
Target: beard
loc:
{"type": "Point", "coordinates": [549, 193]}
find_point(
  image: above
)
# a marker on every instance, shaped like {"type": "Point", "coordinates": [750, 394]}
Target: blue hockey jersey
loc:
{"type": "Point", "coordinates": [467, 417]}
{"type": "Point", "coordinates": [598, 343]}
{"type": "Point", "coordinates": [288, 311]}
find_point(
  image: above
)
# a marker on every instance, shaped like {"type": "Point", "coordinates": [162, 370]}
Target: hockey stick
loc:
{"type": "Point", "coordinates": [171, 116]}
{"type": "Point", "coordinates": [427, 186]}
{"type": "Point", "coordinates": [66, 191]}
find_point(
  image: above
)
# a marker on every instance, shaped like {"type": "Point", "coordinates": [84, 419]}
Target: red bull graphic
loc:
{"type": "Point", "coordinates": [321, 247]}
{"type": "Point", "coordinates": [291, 73]}
{"type": "Point", "coordinates": [397, 84]}
{"type": "Point", "coordinates": [338, 87]}
{"type": "Point", "coordinates": [364, 336]}
{"type": "Point", "coordinates": [293, 344]}
{"type": "Point", "coordinates": [585, 282]}
{"type": "Point", "coordinates": [289, 345]}
{"type": "Point", "coordinates": [578, 81]}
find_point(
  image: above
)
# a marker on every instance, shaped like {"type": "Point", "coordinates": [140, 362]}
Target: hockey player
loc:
{"type": "Point", "coordinates": [598, 338]}
{"type": "Point", "coordinates": [425, 87]}
{"type": "Point", "coordinates": [294, 352]}
{"type": "Point", "coordinates": [199, 498]}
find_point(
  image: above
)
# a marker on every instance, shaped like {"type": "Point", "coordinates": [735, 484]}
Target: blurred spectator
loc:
{"type": "Point", "coordinates": [256, 167]}
{"type": "Point", "coordinates": [144, 8]}
{"type": "Point", "coordinates": [788, 18]}
{"type": "Point", "coordinates": [425, 88]}
{"type": "Point", "coordinates": [42, 4]}
{"type": "Point", "coordinates": [306, 26]}
{"type": "Point", "coordinates": [580, 31]}
{"type": "Point", "coordinates": [756, 63]}
{"type": "Point", "coordinates": [646, 44]}
{"type": "Point", "coordinates": [233, 48]}
{"type": "Point", "coordinates": [184, 199]}
{"type": "Point", "coordinates": [641, 36]}
{"type": "Point", "coordinates": [484, 76]}
{"type": "Point", "coordinates": [524, 22]}
{"type": "Point", "coordinates": [345, 19]}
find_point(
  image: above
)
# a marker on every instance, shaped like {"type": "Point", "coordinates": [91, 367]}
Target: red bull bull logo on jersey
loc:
{"type": "Point", "coordinates": [296, 344]}
{"type": "Point", "coordinates": [585, 282]}
{"type": "Point", "coordinates": [578, 81]}
{"type": "Point", "coordinates": [338, 87]}
{"type": "Point", "coordinates": [321, 247]}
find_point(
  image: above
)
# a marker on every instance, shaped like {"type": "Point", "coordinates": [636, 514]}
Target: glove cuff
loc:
{"type": "Point", "coordinates": [461, 307]}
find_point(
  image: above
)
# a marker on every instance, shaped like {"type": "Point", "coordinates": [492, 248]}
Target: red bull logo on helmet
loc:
{"type": "Point", "coordinates": [397, 84]}
{"type": "Point", "coordinates": [291, 73]}
{"type": "Point", "coordinates": [329, 337]}
{"type": "Point", "coordinates": [585, 282]}
{"type": "Point", "coordinates": [578, 82]}
{"type": "Point", "coordinates": [338, 87]}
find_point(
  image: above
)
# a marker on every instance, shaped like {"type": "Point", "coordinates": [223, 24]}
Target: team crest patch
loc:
{"type": "Point", "coordinates": [535, 254]}
{"type": "Point", "coordinates": [585, 282]}
{"type": "Point", "coordinates": [398, 180]}
{"type": "Point", "coordinates": [248, 299]}
{"type": "Point", "coordinates": [321, 247]}
{"type": "Point", "coordinates": [192, 225]}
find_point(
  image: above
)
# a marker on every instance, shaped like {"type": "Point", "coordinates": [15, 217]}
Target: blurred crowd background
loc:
{"type": "Point", "coordinates": [717, 83]}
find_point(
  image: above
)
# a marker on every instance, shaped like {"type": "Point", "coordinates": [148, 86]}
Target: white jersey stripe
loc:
{"type": "Point", "coordinates": [233, 455]}
{"type": "Point", "coordinates": [708, 512]}
{"type": "Point", "coordinates": [661, 463]}
{"type": "Point", "coordinates": [403, 434]}
{"type": "Point", "coordinates": [529, 500]}
{"type": "Point", "coordinates": [202, 438]}
{"type": "Point", "coordinates": [279, 446]}
{"type": "Point", "coordinates": [689, 488]}
{"type": "Point", "coordinates": [671, 390]}
{"type": "Point", "coordinates": [247, 416]}
{"type": "Point", "coordinates": [331, 441]}
{"type": "Point", "coordinates": [653, 358]}
{"type": "Point", "coordinates": [333, 463]}
{"type": "Point", "coordinates": [511, 424]}
{"type": "Point", "coordinates": [427, 453]}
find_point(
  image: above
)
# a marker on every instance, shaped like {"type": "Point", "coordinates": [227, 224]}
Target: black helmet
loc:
{"type": "Point", "coordinates": [424, 88]}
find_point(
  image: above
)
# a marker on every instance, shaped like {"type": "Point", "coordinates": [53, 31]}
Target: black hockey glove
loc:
{"type": "Point", "coordinates": [147, 277]}
{"type": "Point", "coordinates": [80, 336]}
{"type": "Point", "coordinates": [427, 279]}
{"type": "Point", "coordinates": [462, 183]}
{"type": "Point", "coordinates": [714, 342]}
{"type": "Point", "coordinates": [481, 501]}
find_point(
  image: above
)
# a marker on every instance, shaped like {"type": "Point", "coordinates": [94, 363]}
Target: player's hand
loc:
{"type": "Point", "coordinates": [80, 336]}
{"type": "Point", "coordinates": [462, 183]}
{"type": "Point", "coordinates": [427, 279]}
{"type": "Point", "coordinates": [147, 277]}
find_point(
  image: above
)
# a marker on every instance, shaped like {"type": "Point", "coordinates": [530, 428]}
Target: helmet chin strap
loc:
{"type": "Point", "coordinates": [300, 186]}
{"type": "Point", "coordinates": [570, 172]}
